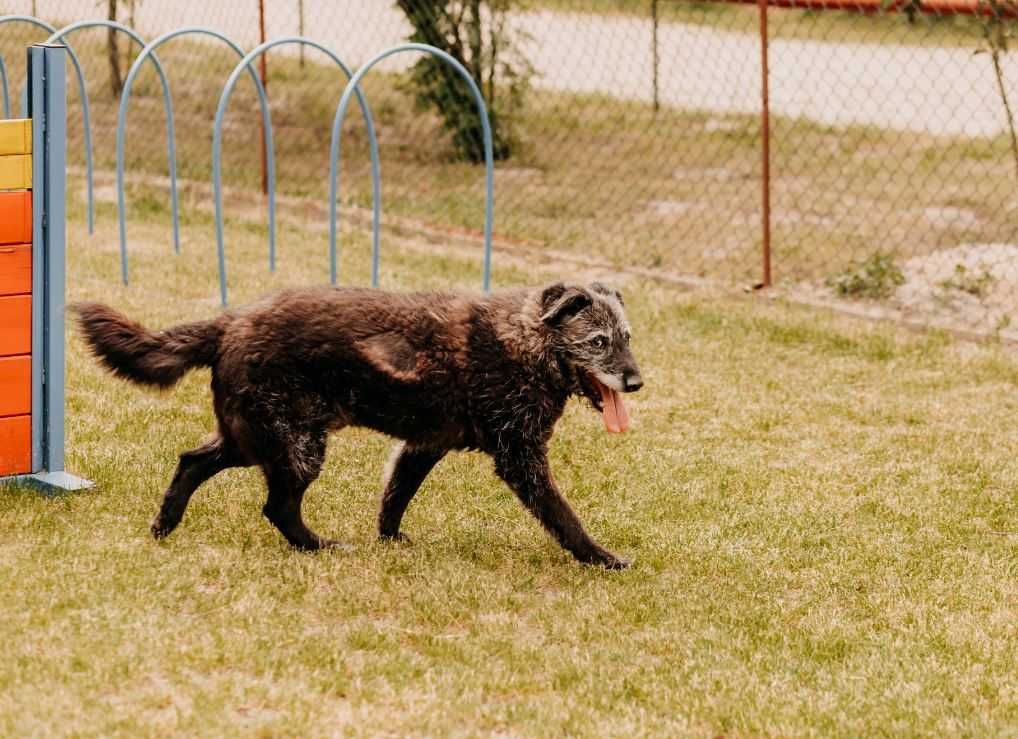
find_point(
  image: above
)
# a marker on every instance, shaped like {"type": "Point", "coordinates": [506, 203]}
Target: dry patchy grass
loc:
{"type": "Point", "coordinates": [822, 513]}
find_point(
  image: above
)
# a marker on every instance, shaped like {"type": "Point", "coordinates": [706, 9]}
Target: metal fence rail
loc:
{"type": "Point", "coordinates": [639, 138]}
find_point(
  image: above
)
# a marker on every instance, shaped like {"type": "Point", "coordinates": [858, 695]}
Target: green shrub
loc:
{"type": "Point", "coordinates": [477, 34]}
{"type": "Point", "coordinates": [876, 277]}
{"type": "Point", "coordinates": [978, 283]}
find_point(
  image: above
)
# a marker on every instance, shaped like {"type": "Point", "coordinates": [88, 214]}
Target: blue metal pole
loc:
{"type": "Point", "coordinates": [54, 228]}
{"type": "Point", "coordinates": [82, 93]}
{"type": "Point", "coordinates": [122, 126]}
{"type": "Point", "coordinates": [488, 155]}
{"type": "Point", "coordinates": [376, 200]}
{"type": "Point", "coordinates": [217, 141]}
{"type": "Point", "coordinates": [171, 153]}
{"type": "Point", "coordinates": [36, 101]}
{"type": "Point", "coordinates": [3, 85]}
{"type": "Point", "coordinates": [48, 108]}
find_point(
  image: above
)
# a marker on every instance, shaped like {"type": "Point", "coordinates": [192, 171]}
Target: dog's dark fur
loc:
{"type": "Point", "coordinates": [437, 371]}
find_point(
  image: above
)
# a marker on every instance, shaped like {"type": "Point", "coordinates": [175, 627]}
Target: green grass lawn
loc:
{"type": "Point", "coordinates": [822, 513]}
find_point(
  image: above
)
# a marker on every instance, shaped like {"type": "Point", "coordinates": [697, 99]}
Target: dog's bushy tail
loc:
{"type": "Point", "coordinates": [131, 351]}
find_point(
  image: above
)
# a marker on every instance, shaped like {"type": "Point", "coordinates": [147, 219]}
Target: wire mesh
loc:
{"type": "Point", "coordinates": [632, 132]}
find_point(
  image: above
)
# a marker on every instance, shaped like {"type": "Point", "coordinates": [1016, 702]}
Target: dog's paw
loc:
{"type": "Point", "coordinates": [160, 530]}
{"type": "Point", "coordinates": [617, 563]}
{"type": "Point", "coordinates": [610, 561]}
{"type": "Point", "coordinates": [398, 538]}
{"type": "Point", "coordinates": [318, 544]}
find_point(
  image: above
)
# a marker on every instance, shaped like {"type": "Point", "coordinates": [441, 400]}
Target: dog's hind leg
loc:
{"type": "Point", "coordinates": [195, 467]}
{"type": "Point", "coordinates": [288, 479]}
{"type": "Point", "coordinates": [405, 472]}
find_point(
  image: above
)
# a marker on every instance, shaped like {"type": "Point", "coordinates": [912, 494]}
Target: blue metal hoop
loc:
{"type": "Point", "coordinates": [82, 93]}
{"type": "Point", "coordinates": [217, 136]}
{"type": "Point", "coordinates": [167, 105]}
{"type": "Point", "coordinates": [122, 125]}
{"type": "Point", "coordinates": [334, 155]}
{"type": "Point", "coordinates": [3, 88]}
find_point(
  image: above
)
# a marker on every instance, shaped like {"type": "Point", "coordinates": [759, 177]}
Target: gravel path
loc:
{"type": "Point", "coordinates": [938, 91]}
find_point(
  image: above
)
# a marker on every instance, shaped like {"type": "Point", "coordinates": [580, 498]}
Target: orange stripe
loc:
{"type": "Point", "coordinates": [15, 325]}
{"type": "Point", "coordinates": [15, 445]}
{"type": "Point", "coordinates": [15, 385]}
{"type": "Point", "coordinates": [16, 217]}
{"type": "Point", "coordinates": [15, 269]}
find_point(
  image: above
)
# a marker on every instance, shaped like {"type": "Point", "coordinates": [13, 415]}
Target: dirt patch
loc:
{"type": "Point", "coordinates": [723, 124]}
{"type": "Point", "coordinates": [968, 289]}
{"type": "Point", "coordinates": [973, 283]}
{"type": "Point", "coordinates": [947, 217]}
{"type": "Point", "coordinates": [671, 208]}
{"type": "Point", "coordinates": [518, 174]}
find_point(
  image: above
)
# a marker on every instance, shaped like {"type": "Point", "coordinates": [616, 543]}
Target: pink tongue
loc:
{"type": "Point", "coordinates": [616, 417]}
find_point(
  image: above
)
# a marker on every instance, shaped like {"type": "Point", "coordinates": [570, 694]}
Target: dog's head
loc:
{"type": "Point", "coordinates": [590, 335]}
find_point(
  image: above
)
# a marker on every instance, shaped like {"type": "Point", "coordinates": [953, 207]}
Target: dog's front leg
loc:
{"type": "Point", "coordinates": [526, 471]}
{"type": "Point", "coordinates": [407, 468]}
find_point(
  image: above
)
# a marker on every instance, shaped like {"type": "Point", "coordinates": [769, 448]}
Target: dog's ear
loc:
{"type": "Point", "coordinates": [600, 287]}
{"type": "Point", "coordinates": [559, 302]}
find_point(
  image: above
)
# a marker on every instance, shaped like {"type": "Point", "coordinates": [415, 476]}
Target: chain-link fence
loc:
{"type": "Point", "coordinates": [633, 131]}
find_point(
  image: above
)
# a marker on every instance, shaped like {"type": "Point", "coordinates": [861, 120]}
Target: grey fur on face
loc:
{"type": "Point", "coordinates": [595, 334]}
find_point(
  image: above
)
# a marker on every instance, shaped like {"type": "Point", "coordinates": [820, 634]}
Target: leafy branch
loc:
{"type": "Point", "coordinates": [998, 28]}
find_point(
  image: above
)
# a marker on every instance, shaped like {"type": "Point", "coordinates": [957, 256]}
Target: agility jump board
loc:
{"type": "Point", "coordinates": [15, 155]}
{"type": "Point", "coordinates": [32, 281]}
{"type": "Point", "coordinates": [15, 297]}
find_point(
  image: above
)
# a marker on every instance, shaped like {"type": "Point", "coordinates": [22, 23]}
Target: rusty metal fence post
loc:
{"type": "Point", "coordinates": [655, 52]}
{"type": "Point", "coordinates": [264, 74]}
{"type": "Point", "coordinates": [765, 146]}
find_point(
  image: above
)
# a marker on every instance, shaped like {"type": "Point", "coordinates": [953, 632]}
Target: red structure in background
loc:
{"type": "Point", "coordinates": [989, 8]}
{"type": "Point", "coordinates": [1003, 9]}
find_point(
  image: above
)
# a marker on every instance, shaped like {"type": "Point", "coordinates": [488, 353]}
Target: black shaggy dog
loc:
{"type": "Point", "coordinates": [437, 371]}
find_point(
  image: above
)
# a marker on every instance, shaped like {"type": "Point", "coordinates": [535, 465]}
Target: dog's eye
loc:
{"type": "Point", "coordinates": [600, 342]}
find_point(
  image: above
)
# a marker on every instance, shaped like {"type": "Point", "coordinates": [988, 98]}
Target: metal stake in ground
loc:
{"type": "Point", "coordinates": [765, 140]}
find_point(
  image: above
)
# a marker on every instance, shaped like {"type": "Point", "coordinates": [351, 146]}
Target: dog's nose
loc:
{"type": "Point", "coordinates": [632, 383]}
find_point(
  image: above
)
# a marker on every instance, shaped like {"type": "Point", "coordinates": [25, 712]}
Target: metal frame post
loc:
{"type": "Point", "coordinates": [655, 53]}
{"type": "Point", "coordinates": [47, 107]}
{"type": "Point", "coordinates": [34, 103]}
{"type": "Point", "coordinates": [263, 72]}
{"type": "Point", "coordinates": [765, 140]}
